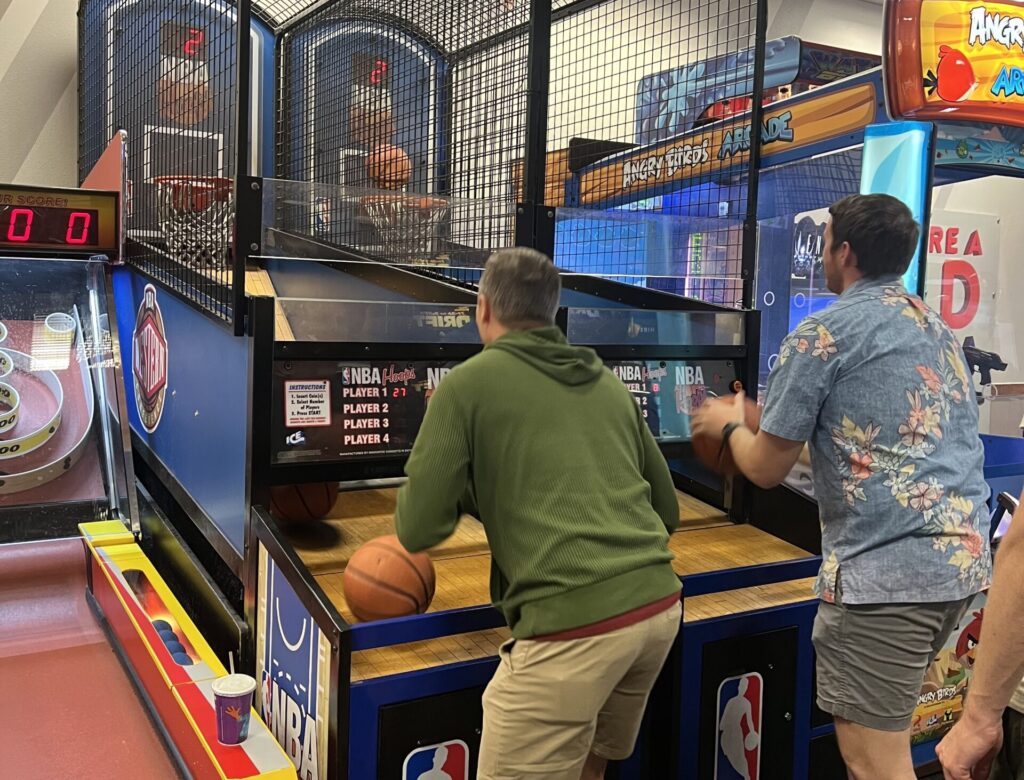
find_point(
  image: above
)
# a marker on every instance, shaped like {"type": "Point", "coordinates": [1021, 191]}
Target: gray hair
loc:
{"type": "Point", "coordinates": [522, 285]}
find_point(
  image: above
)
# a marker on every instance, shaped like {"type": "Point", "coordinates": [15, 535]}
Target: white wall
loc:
{"type": "Point", "coordinates": [847, 24]}
{"type": "Point", "coordinates": [39, 92]}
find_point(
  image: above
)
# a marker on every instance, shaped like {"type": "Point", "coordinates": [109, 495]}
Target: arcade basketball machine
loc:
{"type": "Point", "coordinates": [411, 140]}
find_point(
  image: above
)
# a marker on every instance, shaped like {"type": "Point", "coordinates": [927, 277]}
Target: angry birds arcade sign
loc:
{"type": "Point", "coordinates": [955, 61]}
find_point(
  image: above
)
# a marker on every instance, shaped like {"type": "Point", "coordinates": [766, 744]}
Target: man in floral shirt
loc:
{"type": "Point", "coordinates": [878, 388]}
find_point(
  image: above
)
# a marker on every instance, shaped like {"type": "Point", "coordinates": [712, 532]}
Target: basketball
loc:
{"type": "Point", "coordinates": [389, 167]}
{"type": "Point", "coordinates": [384, 580]}
{"type": "Point", "coordinates": [303, 503]}
{"type": "Point", "coordinates": [708, 447]}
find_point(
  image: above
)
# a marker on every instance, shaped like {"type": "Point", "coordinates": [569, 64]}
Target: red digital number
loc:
{"type": "Point", "coordinates": [26, 229]}
{"type": "Point", "coordinates": [380, 70]}
{"type": "Point", "coordinates": [78, 221]}
{"type": "Point", "coordinates": [192, 45]}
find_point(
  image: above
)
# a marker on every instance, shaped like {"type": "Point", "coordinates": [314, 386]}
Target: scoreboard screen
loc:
{"type": "Point", "coordinates": [181, 40]}
{"type": "Point", "coordinates": [57, 220]}
{"type": "Point", "coordinates": [348, 410]}
{"type": "Point", "coordinates": [369, 70]}
{"type": "Point", "coordinates": [669, 392]}
{"type": "Point", "coordinates": [353, 409]}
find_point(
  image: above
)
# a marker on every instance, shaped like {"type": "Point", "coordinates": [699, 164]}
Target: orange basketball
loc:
{"type": "Point", "coordinates": [384, 580]}
{"type": "Point", "coordinates": [709, 446]}
{"type": "Point", "coordinates": [389, 167]}
{"type": "Point", "coordinates": [303, 503]}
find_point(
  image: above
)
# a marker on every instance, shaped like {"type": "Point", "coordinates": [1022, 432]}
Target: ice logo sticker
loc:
{"type": "Point", "coordinates": [447, 761]}
{"type": "Point", "coordinates": [738, 749]}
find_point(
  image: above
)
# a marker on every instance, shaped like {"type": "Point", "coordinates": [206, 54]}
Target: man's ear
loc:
{"type": "Point", "coordinates": [847, 257]}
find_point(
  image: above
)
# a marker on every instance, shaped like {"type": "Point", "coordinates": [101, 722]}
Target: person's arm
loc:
{"type": "Point", "coordinates": [764, 459]}
{"type": "Point", "coordinates": [658, 476]}
{"type": "Point", "coordinates": [803, 377]}
{"type": "Point", "coordinates": [428, 507]}
{"type": "Point", "coordinates": [968, 749]}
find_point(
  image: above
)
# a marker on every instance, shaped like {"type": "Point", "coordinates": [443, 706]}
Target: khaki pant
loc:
{"type": "Point", "coordinates": [551, 703]}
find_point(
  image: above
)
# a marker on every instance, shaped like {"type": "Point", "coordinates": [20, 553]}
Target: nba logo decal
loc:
{"type": "Point", "coordinates": [447, 761]}
{"type": "Point", "coordinates": [738, 737]}
{"type": "Point", "coordinates": [149, 361]}
{"type": "Point", "coordinates": [291, 670]}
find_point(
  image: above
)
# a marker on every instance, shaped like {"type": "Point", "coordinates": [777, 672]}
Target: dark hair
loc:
{"type": "Point", "coordinates": [880, 229]}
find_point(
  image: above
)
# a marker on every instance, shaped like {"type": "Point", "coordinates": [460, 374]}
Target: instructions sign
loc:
{"type": "Point", "coordinates": [307, 404]}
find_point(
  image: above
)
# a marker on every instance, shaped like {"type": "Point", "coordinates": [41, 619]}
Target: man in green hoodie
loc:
{"type": "Point", "coordinates": [549, 450]}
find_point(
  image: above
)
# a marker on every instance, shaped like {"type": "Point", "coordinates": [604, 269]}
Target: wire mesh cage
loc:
{"type": "Point", "coordinates": [638, 91]}
{"type": "Point", "coordinates": [165, 71]}
{"type": "Point", "coordinates": [406, 107]}
{"type": "Point", "coordinates": [419, 98]}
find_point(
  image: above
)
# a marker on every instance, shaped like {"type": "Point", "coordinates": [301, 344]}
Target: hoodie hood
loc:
{"type": "Point", "coordinates": [547, 350]}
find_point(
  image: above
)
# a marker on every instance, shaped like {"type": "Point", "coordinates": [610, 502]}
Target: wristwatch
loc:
{"type": "Point", "coordinates": [727, 431]}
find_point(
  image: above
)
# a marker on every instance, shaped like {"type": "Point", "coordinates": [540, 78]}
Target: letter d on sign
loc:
{"type": "Point", "coordinates": [962, 271]}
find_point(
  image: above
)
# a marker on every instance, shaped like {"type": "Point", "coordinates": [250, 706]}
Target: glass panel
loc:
{"type": "Point", "coordinates": [694, 256]}
{"type": "Point", "coordinates": [793, 212]}
{"type": "Point", "coordinates": [312, 319]}
{"type": "Point", "coordinates": [600, 326]}
{"type": "Point", "coordinates": [320, 221]}
{"type": "Point", "coordinates": [60, 434]}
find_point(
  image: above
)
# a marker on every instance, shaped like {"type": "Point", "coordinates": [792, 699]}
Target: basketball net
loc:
{"type": "Point", "coordinates": [196, 215]}
{"type": "Point", "coordinates": [407, 224]}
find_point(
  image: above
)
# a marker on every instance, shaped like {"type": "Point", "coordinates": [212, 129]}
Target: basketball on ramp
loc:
{"type": "Point", "coordinates": [384, 580]}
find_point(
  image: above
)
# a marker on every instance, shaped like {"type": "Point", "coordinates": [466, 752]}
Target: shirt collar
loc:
{"type": "Point", "coordinates": [865, 284]}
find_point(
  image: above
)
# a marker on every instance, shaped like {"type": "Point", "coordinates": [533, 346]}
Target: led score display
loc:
{"type": "Point", "coordinates": [56, 219]}
{"type": "Point", "coordinates": [48, 226]}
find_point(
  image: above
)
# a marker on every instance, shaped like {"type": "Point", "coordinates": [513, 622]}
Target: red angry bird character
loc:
{"type": "Point", "coordinates": [968, 641]}
{"type": "Point", "coordinates": [954, 78]}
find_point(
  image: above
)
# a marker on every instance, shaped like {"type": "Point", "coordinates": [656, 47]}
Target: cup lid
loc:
{"type": "Point", "coordinates": [234, 685]}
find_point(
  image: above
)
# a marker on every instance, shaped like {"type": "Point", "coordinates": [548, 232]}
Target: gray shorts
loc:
{"type": "Point", "coordinates": [872, 658]}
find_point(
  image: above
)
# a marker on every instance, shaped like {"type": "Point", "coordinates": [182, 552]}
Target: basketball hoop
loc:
{"type": "Point", "coordinates": [407, 224]}
{"type": "Point", "coordinates": [196, 216]}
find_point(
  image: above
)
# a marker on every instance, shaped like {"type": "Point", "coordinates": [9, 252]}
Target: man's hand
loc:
{"type": "Point", "coordinates": [968, 750]}
{"type": "Point", "coordinates": [715, 413]}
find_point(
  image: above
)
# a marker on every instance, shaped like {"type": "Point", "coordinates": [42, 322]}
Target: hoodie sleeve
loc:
{"type": "Point", "coordinates": [428, 507]}
{"type": "Point", "coordinates": [658, 476]}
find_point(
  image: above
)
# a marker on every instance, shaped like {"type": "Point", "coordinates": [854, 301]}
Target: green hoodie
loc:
{"type": "Point", "coordinates": [549, 450]}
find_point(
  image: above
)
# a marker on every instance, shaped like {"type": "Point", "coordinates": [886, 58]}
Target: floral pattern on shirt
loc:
{"type": "Point", "coordinates": [892, 457]}
{"type": "Point", "coordinates": [809, 336]}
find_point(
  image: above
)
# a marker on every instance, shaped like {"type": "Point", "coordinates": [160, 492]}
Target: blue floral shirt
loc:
{"type": "Point", "coordinates": [878, 387]}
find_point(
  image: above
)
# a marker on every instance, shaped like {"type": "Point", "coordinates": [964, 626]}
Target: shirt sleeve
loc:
{"type": "Point", "coordinates": [429, 503]}
{"type": "Point", "coordinates": [802, 379]}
